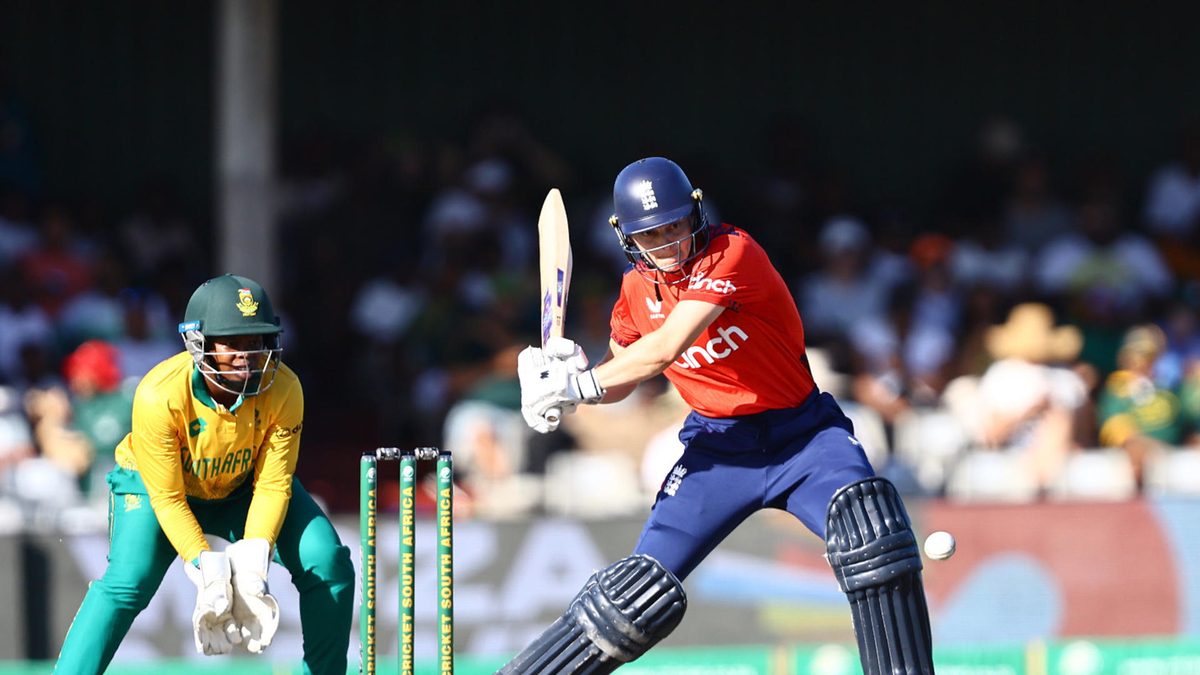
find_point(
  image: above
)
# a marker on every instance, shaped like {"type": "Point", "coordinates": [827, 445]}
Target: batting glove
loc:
{"type": "Point", "coordinates": [568, 352]}
{"type": "Point", "coordinates": [534, 368]}
{"type": "Point", "coordinates": [254, 608]}
{"type": "Point", "coordinates": [213, 624]}
{"type": "Point", "coordinates": [582, 386]}
{"type": "Point", "coordinates": [552, 384]}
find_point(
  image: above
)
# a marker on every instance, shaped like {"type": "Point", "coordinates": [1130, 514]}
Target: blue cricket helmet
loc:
{"type": "Point", "coordinates": [654, 192]}
{"type": "Point", "coordinates": [650, 193]}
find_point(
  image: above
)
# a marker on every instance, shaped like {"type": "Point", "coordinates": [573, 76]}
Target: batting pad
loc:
{"type": "Point", "coordinates": [872, 549]}
{"type": "Point", "coordinates": [622, 611]}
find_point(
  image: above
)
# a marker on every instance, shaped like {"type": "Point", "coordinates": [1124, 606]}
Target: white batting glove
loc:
{"type": "Point", "coordinates": [213, 624]}
{"type": "Point", "coordinates": [254, 608]}
{"type": "Point", "coordinates": [583, 387]}
{"type": "Point", "coordinates": [534, 366]}
{"type": "Point", "coordinates": [568, 352]}
{"type": "Point", "coordinates": [551, 383]}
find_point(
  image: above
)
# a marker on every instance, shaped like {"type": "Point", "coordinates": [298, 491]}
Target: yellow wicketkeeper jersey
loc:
{"type": "Point", "coordinates": [186, 445]}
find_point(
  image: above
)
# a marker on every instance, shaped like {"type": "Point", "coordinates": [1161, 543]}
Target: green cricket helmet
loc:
{"type": "Point", "coordinates": [228, 306]}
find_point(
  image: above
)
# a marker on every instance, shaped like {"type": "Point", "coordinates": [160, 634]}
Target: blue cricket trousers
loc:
{"type": "Point", "coordinates": [792, 459]}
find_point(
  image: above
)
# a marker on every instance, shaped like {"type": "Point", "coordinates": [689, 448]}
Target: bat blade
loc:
{"type": "Point", "coordinates": [555, 264]}
{"type": "Point", "coordinates": [554, 254]}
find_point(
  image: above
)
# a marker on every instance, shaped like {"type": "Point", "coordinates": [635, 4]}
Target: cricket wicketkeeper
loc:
{"type": "Point", "coordinates": [216, 434]}
{"type": "Point", "coordinates": [702, 304]}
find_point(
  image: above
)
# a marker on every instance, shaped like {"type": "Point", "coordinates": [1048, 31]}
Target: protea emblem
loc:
{"type": "Point", "coordinates": [246, 304]}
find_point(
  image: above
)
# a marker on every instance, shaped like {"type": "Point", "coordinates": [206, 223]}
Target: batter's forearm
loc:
{"type": "Point", "coordinates": [637, 363]}
{"type": "Point", "coordinates": [615, 394]}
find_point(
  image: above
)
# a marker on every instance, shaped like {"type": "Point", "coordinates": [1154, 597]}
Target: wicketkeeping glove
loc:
{"type": "Point", "coordinates": [254, 608]}
{"type": "Point", "coordinates": [212, 621]}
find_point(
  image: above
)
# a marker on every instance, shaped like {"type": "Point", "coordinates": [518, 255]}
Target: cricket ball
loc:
{"type": "Point", "coordinates": [939, 545]}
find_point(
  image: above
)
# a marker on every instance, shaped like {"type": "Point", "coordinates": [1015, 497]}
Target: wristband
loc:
{"type": "Point", "coordinates": [586, 387]}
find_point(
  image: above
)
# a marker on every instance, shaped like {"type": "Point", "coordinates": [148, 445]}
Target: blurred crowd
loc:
{"type": "Point", "coordinates": [1033, 334]}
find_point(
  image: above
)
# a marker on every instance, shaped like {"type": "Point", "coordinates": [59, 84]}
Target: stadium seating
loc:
{"type": "Point", "coordinates": [984, 475]}
{"type": "Point", "coordinates": [592, 484]}
{"type": "Point", "coordinates": [930, 441]}
{"type": "Point", "coordinates": [1174, 472]}
{"type": "Point", "coordinates": [1095, 474]}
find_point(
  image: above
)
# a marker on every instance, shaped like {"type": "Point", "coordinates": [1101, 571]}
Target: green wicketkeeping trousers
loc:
{"type": "Point", "coordinates": [140, 555]}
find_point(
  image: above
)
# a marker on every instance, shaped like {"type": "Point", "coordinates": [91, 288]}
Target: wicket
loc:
{"type": "Point", "coordinates": [368, 482]}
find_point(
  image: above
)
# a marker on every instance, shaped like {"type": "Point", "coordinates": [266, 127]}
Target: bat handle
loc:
{"type": "Point", "coordinates": [553, 415]}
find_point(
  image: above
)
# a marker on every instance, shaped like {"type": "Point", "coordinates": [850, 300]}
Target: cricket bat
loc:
{"type": "Point", "coordinates": [554, 256]}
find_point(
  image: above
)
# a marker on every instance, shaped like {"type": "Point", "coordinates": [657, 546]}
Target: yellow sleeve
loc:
{"type": "Point", "coordinates": [274, 467]}
{"type": "Point", "coordinates": [155, 444]}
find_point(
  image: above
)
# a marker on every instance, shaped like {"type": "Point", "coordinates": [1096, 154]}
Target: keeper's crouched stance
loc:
{"type": "Point", "coordinates": [214, 446]}
{"type": "Point", "coordinates": [702, 305]}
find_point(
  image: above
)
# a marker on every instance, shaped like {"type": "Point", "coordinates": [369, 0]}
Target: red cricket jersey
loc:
{"type": "Point", "coordinates": [751, 358]}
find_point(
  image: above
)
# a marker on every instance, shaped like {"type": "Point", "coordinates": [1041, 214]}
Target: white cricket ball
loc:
{"type": "Point", "coordinates": [939, 545]}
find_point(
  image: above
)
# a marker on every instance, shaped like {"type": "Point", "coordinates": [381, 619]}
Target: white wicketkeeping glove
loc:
{"type": "Point", "coordinates": [254, 608]}
{"type": "Point", "coordinates": [554, 378]}
{"type": "Point", "coordinates": [212, 621]}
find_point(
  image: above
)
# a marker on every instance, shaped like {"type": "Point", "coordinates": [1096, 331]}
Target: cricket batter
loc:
{"type": "Point", "coordinates": [216, 433]}
{"type": "Point", "coordinates": [703, 305]}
